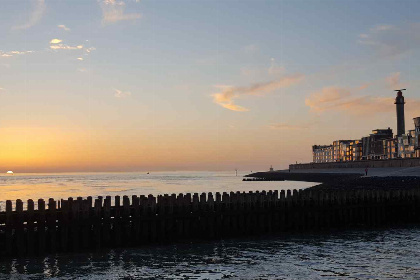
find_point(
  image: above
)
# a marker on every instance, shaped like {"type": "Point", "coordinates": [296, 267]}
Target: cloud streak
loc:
{"type": "Point", "coordinates": [114, 11]}
{"type": "Point", "coordinates": [65, 47]}
{"type": "Point", "coordinates": [336, 99]}
{"type": "Point", "coordinates": [55, 41]}
{"type": "Point", "coordinates": [62, 26]}
{"type": "Point", "coordinates": [226, 97]}
{"type": "Point", "coordinates": [394, 81]}
{"type": "Point", "coordinates": [391, 40]}
{"type": "Point", "coordinates": [57, 45]}
{"type": "Point", "coordinates": [327, 98]}
{"type": "Point", "coordinates": [121, 94]}
{"type": "Point", "coordinates": [13, 53]}
{"type": "Point", "coordinates": [36, 15]}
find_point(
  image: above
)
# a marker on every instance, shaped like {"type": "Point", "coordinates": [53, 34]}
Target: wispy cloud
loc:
{"type": "Point", "coordinates": [382, 27]}
{"type": "Point", "coordinates": [62, 26]}
{"type": "Point", "coordinates": [89, 50]}
{"type": "Point", "coordinates": [392, 40]}
{"type": "Point", "coordinates": [114, 11]}
{"type": "Point", "coordinates": [322, 100]}
{"type": "Point", "coordinates": [363, 86]}
{"type": "Point", "coordinates": [65, 47]}
{"type": "Point", "coordinates": [36, 15]}
{"type": "Point", "coordinates": [55, 41]}
{"type": "Point", "coordinates": [13, 53]}
{"type": "Point", "coordinates": [336, 99]}
{"type": "Point", "coordinates": [341, 99]}
{"type": "Point", "coordinates": [228, 94]}
{"type": "Point", "coordinates": [57, 45]}
{"type": "Point", "coordinates": [393, 81]}
{"type": "Point", "coordinates": [121, 94]}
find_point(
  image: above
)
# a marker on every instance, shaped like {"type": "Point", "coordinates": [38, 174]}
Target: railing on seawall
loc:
{"type": "Point", "coordinates": [75, 225]}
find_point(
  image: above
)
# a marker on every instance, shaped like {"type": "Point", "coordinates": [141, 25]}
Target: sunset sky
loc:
{"type": "Point", "coordinates": [111, 85]}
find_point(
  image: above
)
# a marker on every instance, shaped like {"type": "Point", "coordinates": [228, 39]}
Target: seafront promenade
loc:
{"type": "Point", "coordinates": [87, 224]}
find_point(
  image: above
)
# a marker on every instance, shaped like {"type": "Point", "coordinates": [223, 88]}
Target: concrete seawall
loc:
{"type": "Point", "coordinates": [76, 225]}
{"type": "Point", "coordinates": [406, 162]}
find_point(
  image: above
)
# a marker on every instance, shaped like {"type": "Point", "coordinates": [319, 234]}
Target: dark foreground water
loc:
{"type": "Point", "coordinates": [363, 254]}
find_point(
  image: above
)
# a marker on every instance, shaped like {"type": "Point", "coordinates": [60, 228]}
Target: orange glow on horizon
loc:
{"type": "Point", "coordinates": [51, 149]}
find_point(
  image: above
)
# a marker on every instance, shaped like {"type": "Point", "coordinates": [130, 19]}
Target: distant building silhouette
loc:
{"type": "Point", "coordinates": [399, 104]}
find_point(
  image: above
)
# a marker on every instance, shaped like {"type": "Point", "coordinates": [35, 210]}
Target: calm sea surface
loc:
{"type": "Point", "coordinates": [379, 254]}
{"type": "Point", "coordinates": [57, 186]}
{"type": "Point", "coordinates": [368, 254]}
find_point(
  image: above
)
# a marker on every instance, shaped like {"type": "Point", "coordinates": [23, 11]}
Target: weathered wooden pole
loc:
{"type": "Point", "coordinates": [30, 235]}
{"type": "Point", "coordinates": [117, 222]}
{"type": "Point", "coordinates": [126, 225]}
{"type": "Point", "coordinates": [106, 224]}
{"type": "Point", "coordinates": [152, 215]}
{"type": "Point", "coordinates": [41, 226]}
{"type": "Point", "coordinates": [9, 228]}
{"type": "Point", "coordinates": [64, 225]}
{"type": "Point", "coordinates": [19, 230]}
{"type": "Point", "coordinates": [52, 225]}
{"type": "Point", "coordinates": [97, 238]}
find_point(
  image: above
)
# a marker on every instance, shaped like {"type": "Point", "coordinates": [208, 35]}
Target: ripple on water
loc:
{"type": "Point", "coordinates": [316, 256]}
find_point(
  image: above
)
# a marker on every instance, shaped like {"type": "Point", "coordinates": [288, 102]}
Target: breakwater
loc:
{"type": "Point", "coordinates": [75, 225]}
{"type": "Point", "coordinates": [302, 176]}
{"type": "Point", "coordinates": [262, 179]}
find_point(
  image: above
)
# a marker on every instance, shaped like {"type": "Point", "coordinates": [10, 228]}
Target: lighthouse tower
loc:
{"type": "Point", "coordinates": [399, 102]}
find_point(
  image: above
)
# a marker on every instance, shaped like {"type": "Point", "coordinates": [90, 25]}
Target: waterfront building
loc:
{"type": "Point", "coordinates": [379, 145]}
{"type": "Point", "coordinates": [373, 146]}
{"type": "Point", "coordinates": [356, 150]}
{"type": "Point", "coordinates": [417, 136]}
{"type": "Point", "coordinates": [322, 153]}
{"type": "Point", "coordinates": [406, 143]}
{"type": "Point", "coordinates": [340, 150]}
{"type": "Point", "coordinates": [391, 146]}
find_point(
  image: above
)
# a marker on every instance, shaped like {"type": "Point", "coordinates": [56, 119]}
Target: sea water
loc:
{"type": "Point", "coordinates": [358, 254]}
{"type": "Point", "coordinates": [65, 185]}
{"type": "Point", "coordinates": [389, 253]}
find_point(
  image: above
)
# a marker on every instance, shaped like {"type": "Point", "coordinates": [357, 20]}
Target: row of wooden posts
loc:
{"type": "Point", "coordinates": [80, 224]}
